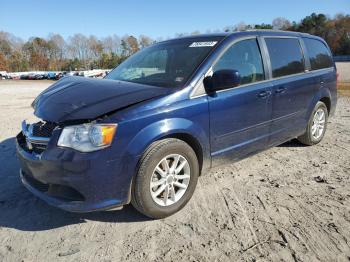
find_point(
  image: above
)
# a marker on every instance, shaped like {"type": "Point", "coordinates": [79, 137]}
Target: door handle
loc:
{"type": "Point", "coordinates": [264, 94]}
{"type": "Point", "coordinates": [281, 89]}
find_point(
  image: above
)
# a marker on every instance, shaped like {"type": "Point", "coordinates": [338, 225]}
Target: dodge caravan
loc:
{"type": "Point", "coordinates": [169, 113]}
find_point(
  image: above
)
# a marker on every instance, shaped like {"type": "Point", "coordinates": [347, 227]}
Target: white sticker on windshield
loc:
{"type": "Point", "coordinates": [179, 79]}
{"type": "Point", "coordinates": [202, 44]}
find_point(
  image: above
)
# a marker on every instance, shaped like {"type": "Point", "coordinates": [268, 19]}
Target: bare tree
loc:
{"type": "Point", "coordinates": [181, 34]}
{"type": "Point", "coordinates": [57, 49]}
{"type": "Point", "coordinates": [241, 27]}
{"type": "Point", "coordinates": [281, 23]}
{"type": "Point", "coordinates": [37, 52]}
{"type": "Point", "coordinates": [129, 45]}
{"type": "Point", "coordinates": [145, 41]}
{"type": "Point", "coordinates": [95, 48]}
{"type": "Point", "coordinates": [78, 47]}
{"type": "Point", "coordinates": [195, 32]}
{"type": "Point", "coordinates": [80, 51]}
{"type": "Point", "coordinates": [112, 44]}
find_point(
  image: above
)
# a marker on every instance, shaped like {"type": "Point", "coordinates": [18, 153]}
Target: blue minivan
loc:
{"type": "Point", "coordinates": [169, 113]}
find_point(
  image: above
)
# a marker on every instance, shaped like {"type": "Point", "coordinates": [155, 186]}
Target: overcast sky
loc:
{"type": "Point", "coordinates": [156, 18]}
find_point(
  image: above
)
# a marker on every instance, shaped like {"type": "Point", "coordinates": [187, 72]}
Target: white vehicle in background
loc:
{"type": "Point", "coordinates": [3, 75]}
{"type": "Point", "coordinates": [53, 75]}
{"type": "Point", "coordinates": [72, 73]}
{"type": "Point", "coordinates": [95, 73]}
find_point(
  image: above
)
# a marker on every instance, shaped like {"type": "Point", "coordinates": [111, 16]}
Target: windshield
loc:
{"type": "Point", "coordinates": [167, 64]}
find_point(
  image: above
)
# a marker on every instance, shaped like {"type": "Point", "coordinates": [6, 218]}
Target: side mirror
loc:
{"type": "Point", "coordinates": [222, 79]}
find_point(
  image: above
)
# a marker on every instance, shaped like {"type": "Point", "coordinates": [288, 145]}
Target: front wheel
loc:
{"type": "Point", "coordinates": [317, 125]}
{"type": "Point", "coordinates": [166, 179]}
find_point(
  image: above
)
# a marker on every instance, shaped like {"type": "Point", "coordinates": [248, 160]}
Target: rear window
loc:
{"type": "Point", "coordinates": [285, 55]}
{"type": "Point", "coordinates": [319, 54]}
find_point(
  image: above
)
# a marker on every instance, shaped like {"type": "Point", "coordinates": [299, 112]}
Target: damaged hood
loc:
{"type": "Point", "coordinates": [78, 98]}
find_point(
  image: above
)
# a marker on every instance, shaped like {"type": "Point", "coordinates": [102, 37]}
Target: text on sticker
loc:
{"type": "Point", "coordinates": [202, 44]}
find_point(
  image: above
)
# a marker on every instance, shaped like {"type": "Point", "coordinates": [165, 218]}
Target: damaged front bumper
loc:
{"type": "Point", "coordinates": [66, 204]}
{"type": "Point", "coordinates": [75, 181]}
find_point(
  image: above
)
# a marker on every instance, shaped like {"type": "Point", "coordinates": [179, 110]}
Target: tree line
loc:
{"type": "Point", "coordinates": [87, 52]}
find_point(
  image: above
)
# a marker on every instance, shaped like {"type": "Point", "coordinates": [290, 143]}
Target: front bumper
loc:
{"type": "Point", "coordinates": [75, 181]}
{"type": "Point", "coordinates": [70, 205]}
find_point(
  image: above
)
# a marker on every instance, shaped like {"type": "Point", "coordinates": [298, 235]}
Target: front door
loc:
{"type": "Point", "coordinates": [240, 116]}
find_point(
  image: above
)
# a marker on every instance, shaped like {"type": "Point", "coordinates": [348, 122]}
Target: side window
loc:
{"type": "Point", "coordinates": [244, 57]}
{"type": "Point", "coordinates": [285, 55]}
{"type": "Point", "coordinates": [318, 53]}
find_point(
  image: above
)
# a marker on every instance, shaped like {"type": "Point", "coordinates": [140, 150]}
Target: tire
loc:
{"type": "Point", "coordinates": [143, 196]}
{"type": "Point", "coordinates": [309, 138]}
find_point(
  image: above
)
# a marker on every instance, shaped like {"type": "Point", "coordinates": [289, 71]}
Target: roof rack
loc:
{"type": "Point", "coordinates": [272, 30]}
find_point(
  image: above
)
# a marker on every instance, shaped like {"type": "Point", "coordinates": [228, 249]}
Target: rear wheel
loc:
{"type": "Point", "coordinates": [317, 125]}
{"type": "Point", "coordinates": [166, 178]}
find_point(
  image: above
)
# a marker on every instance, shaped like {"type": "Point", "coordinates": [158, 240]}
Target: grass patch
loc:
{"type": "Point", "coordinates": [344, 85]}
{"type": "Point", "coordinates": [344, 88]}
{"type": "Point", "coordinates": [344, 92]}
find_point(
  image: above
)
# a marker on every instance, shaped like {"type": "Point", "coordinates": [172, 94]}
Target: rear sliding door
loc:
{"type": "Point", "coordinates": [293, 88]}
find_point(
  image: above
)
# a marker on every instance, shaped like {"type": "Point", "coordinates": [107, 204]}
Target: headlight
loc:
{"type": "Point", "coordinates": [87, 137]}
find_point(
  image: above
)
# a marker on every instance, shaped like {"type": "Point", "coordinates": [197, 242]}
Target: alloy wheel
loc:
{"type": "Point", "coordinates": [318, 124]}
{"type": "Point", "coordinates": [170, 180]}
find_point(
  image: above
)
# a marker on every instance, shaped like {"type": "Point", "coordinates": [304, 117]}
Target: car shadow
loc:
{"type": "Point", "coordinates": [292, 143]}
{"type": "Point", "coordinates": [21, 210]}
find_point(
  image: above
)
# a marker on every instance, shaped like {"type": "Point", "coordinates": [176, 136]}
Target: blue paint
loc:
{"type": "Point", "coordinates": [227, 125]}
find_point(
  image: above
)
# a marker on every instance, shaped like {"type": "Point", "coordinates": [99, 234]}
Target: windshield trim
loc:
{"type": "Point", "coordinates": [193, 75]}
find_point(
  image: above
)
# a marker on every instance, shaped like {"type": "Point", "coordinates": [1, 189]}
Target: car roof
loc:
{"type": "Point", "coordinates": [245, 33]}
{"type": "Point", "coordinates": [272, 32]}
{"type": "Point", "coordinates": [261, 32]}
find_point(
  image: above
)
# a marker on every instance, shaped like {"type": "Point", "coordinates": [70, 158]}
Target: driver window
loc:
{"type": "Point", "coordinates": [244, 57]}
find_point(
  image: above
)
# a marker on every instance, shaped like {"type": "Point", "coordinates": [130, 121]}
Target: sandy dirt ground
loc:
{"type": "Point", "coordinates": [343, 69]}
{"type": "Point", "coordinates": [289, 203]}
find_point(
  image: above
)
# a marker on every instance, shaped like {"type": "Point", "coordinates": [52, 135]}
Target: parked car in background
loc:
{"type": "Point", "coordinates": [59, 76]}
{"type": "Point", "coordinates": [39, 76]}
{"type": "Point", "coordinates": [51, 75]}
{"type": "Point", "coordinates": [31, 76]}
{"type": "Point", "coordinates": [24, 77]}
{"type": "Point", "coordinates": [171, 112]}
{"type": "Point", "coordinates": [3, 75]}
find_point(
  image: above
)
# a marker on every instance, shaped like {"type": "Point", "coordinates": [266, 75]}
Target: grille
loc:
{"type": "Point", "coordinates": [38, 149]}
{"type": "Point", "coordinates": [42, 129]}
{"type": "Point", "coordinates": [36, 136]}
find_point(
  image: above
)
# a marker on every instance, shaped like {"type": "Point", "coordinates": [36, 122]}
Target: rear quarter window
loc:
{"type": "Point", "coordinates": [285, 55]}
{"type": "Point", "coordinates": [318, 53]}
